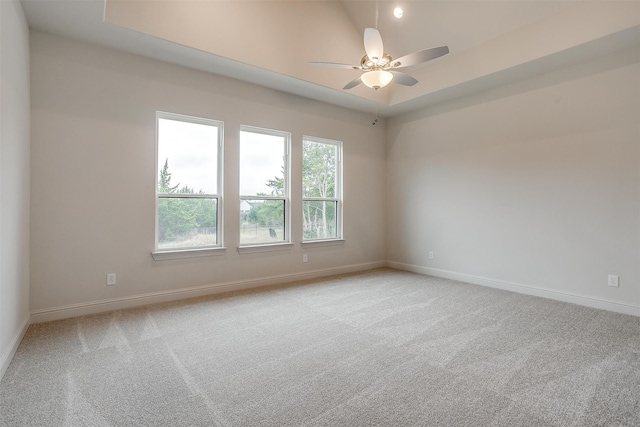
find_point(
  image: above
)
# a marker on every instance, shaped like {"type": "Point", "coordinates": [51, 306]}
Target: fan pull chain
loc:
{"type": "Point", "coordinates": [375, 116]}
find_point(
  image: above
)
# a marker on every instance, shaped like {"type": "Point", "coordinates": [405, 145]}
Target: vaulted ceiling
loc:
{"type": "Point", "coordinates": [270, 43]}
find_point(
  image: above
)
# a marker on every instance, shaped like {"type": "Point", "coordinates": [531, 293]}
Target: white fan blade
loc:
{"type": "Point", "coordinates": [353, 83]}
{"type": "Point", "coordinates": [403, 79]}
{"type": "Point", "coordinates": [373, 44]}
{"type": "Point", "coordinates": [336, 65]}
{"type": "Point", "coordinates": [420, 57]}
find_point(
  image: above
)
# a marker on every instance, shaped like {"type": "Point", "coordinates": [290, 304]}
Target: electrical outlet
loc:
{"type": "Point", "coordinates": [613, 281]}
{"type": "Point", "coordinates": [431, 256]}
{"type": "Point", "coordinates": [111, 279]}
{"type": "Point", "coordinates": [305, 258]}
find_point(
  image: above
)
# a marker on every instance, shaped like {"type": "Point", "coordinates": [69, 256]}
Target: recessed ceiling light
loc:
{"type": "Point", "coordinates": [397, 12]}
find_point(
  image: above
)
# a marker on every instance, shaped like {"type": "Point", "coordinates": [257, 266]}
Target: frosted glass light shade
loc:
{"type": "Point", "coordinates": [376, 79]}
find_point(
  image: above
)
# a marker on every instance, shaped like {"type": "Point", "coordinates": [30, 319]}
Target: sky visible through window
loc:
{"type": "Point", "coordinates": [192, 151]}
{"type": "Point", "coordinates": [261, 160]}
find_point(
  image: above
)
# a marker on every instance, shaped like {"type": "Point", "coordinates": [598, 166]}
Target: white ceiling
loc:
{"type": "Point", "coordinates": [271, 42]}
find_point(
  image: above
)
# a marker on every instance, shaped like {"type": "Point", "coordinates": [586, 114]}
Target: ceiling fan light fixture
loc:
{"type": "Point", "coordinates": [376, 65]}
{"type": "Point", "coordinates": [376, 79]}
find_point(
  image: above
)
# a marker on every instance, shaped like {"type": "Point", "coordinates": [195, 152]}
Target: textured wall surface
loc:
{"type": "Point", "coordinates": [14, 178]}
{"type": "Point", "coordinates": [534, 184]}
{"type": "Point", "coordinates": [93, 163]}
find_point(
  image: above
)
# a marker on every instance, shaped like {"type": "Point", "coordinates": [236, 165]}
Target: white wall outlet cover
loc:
{"type": "Point", "coordinates": [613, 280]}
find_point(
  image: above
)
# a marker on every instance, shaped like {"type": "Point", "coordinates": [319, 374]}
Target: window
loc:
{"type": "Point", "coordinates": [188, 191]}
{"type": "Point", "coordinates": [264, 186]}
{"type": "Point", "coordinates": [321, 189]}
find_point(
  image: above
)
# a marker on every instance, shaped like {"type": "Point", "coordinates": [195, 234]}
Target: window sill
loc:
{"type": "Point", "coordinates": [187, 253]}
{"type": "Point", "coordinates": [316, 243]}
{"type": "Point", "coordinates": [264, 248]}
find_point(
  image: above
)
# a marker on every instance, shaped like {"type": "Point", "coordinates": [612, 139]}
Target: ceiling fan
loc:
{"type": "Point", "coordinates": [379, 68]}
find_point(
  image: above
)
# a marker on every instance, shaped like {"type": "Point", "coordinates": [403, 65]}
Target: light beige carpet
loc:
{"type": "Point", "coordinates": [382, 347]}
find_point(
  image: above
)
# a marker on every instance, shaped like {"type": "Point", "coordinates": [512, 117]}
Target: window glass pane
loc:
{"type": "Point", "coordinates": [319, 220]}
{"type": "Point", "coordinates": [262, 221]}
{"type": "Point", "coordinates": [187, 157]}
{"type": "Point", "coordinates": [319, 163]}
{"type": "Point", "coordinates": [261, 164]}
{"type": "Point", "coordinates": [187, 222]}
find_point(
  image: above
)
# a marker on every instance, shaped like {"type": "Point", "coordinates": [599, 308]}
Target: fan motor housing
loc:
{"type": "Point", "coordinates": [383, 63]}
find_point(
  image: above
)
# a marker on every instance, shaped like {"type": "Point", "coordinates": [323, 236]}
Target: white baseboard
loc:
{"type": "Point", "coordinates": [7, 356]}
{"type": "Point", "coordinates": [92, 307]}
{"type": "Point", "coordinates": [585, 300]}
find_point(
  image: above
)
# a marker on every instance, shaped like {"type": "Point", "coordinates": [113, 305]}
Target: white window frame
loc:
{"type": "Point", "coordinates": [218, 248]}
{"type": "Point", "coordinates": [286, 197]}
{"type": "Point", "coordinates": [338, 199]}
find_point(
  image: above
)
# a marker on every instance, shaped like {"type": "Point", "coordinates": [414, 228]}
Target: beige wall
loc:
{"type": "Point", "coordinates": [14, 179]}
{"type": "Point", "coordinates": [533, 187]}
{"type": "Point", "coordinates": [93, 179]}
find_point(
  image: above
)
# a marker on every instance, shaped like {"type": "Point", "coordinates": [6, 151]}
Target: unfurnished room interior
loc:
{"type": "Point", "coordinates": [319, 213]}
